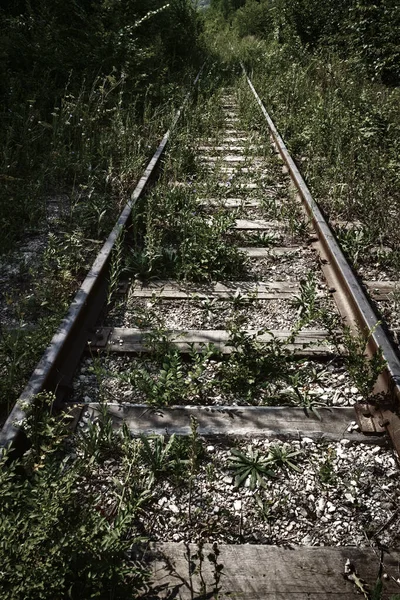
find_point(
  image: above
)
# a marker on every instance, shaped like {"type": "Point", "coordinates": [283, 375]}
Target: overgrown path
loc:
{"type": "Point", "coordinates": [228, 347]}
{"type": "Point", "coordinates": [217, 442]}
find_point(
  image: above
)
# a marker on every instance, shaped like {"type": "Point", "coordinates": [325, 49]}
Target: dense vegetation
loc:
{"type": "Point", "coordinates": [329, 74]}
{"type": "Point", "coordinates": [75, 77]}
{"type": "Point", "coordinates": [366, 32]}
{"type": "Point", "coordinates": [86, 90]}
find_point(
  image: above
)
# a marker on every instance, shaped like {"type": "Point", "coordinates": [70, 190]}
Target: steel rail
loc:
{"type": "Point", "coordinates": [356, 304]}
{"type": "Point", "coordinates": [59, 361]}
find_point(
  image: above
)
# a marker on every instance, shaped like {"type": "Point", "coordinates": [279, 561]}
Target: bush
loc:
{"type": "Point", "coordinates": [55, 541]}
{"type": "Point", "coordinates": [254, 19]}
{"type": "Point", "coordinates": [75, 77]}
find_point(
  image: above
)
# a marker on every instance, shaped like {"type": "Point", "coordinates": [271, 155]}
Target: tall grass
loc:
{"type": "Point", "coordinates": [91, 148]}
{"type": "Point", "coordinates": [342, 129]}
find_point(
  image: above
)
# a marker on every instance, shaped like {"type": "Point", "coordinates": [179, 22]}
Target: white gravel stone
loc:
{"type": "Point", "coordinates": [320, 508]}
{"type": "Point", "coordinates": [331, 508]}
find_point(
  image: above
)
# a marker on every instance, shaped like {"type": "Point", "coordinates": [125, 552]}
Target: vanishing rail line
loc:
{"type": "Point", "coordinates": [56, 368]}
{"type": "Point", "coordinates": [282, 307]}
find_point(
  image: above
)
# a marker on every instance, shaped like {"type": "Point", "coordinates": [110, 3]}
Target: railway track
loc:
{"type": "Point", "coordinates": [287, 481]}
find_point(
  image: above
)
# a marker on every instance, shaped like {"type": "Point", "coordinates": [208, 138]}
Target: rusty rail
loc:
{"type": "Point", "coordinates": [352, 300]}
{"type": "Point", "coordinates": [55, 370]}
{"type": "Point", "coordinates": [57, 365]}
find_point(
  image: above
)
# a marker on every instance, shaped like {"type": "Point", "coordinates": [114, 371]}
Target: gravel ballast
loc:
{"type": "Point", "coordinates": [342, 494]}
{"type": "Point", "coordinates": [211, 314]}
{"type": "Point", "coordinates": [109, 378]}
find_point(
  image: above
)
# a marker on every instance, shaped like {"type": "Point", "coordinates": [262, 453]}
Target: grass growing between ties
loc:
{"type": "Point", "coordinates": [82, 506]}
{"type": "Point", "coordinates": [254, 374]}
{"type": "Point", "coordinates": [85, 106]}
{"type": "Point", "coordinates": [330, 80]}
{"type": "Point", "coordinates": [342, 131]}
{"type": "Point", "coordinates": [180, 243]}
{"type": "Point", "coordinates": [174, 237]}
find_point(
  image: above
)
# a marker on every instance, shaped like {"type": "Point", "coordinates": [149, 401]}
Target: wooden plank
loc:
{"type": "Point", "coordinates": [230, 203]}
{"type": "Point", "coordinates": [235, 421]}
{"type": "Point", "coordinates": [219, 159]}
{"type": "Point", "coordinates": [254, 572]}
{"type": "Point", "coordinates": [256, 162]}
{"type": "Point", "coordinates": [252, 252]}
{"type": "Point", "coordinates": [174, 290]}
{"type": "Point", "coordinates": [242, 186]}
{"type": "Point", "coordinates": [199, 184]}
{"type": "Point", "coordinates": [229, 139]}
{"type": "Point", "coordinates": [258, 168]}
{"type": "Point", "coordinates": [236, 132]}
{"type": "Point", "coordinates": [127, 340]}
{"type": "Point", "coordinates": [255, 224]}
{"type": "Point", "coordinates": [230, 147]}
{"type": "Point", "coordinates": [383, 290]}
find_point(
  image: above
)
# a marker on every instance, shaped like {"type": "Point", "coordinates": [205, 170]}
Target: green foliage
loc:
{"type": "Point", "coordinates": [167, 387]}
{"type": "Point", "coordinates": [175, 457]}
{"type": "Point", "coordinates": [326, 473]}
{"type": "Point", "coordinates": [255, 468]}
{"type": "Point", "coordinates": [178, 240]}
{"type": "Point", "coordinates": [365, 31]}
{"type": "Point", "coordinates": [254, 18]}
{"type": "Point", "coordinates": [306, 301]}
{"type": "Point", "coordinates": [195, 447]}
{"type": "Point", "coordinates": [176, 381]}
{"type": "Point", "coordinates": [252, 364]}
{"type": "Point", "coordinates": [156, 455]}
{"type": "Point", "coordinates": [55, 541]}
{"type": "Point", "coordinates": [363, 369]}
{"type": "Point", "coordinates": [116, 268]}
{"type": "Point", "coordinates": [300, 396]}
{"type": "Point", "coordinates": [283, 457]}
{"type": "Point", "coordinates": [252, 466]}
{"type": "Point", "coordinates": [98, 440]}
{"type": "Point", "coordinates": [19, 352]}
{"type": "Point", "coordinates": [373, 32]}
{"type": "Point", "coordinates": [71, 69]}
{"type": "Point", "coordinates": [343, 132]}
{"type": "Point", "coordinates": [356, 243]}
{"type": "Point", "coordinates": [226, 7]}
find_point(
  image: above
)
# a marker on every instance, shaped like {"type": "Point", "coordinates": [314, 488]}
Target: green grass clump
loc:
{"type": "Point", "coordinates": [58, 542]}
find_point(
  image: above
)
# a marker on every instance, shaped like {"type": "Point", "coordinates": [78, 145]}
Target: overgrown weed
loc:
{"type": "Point", "coordinates": [48, 521]}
